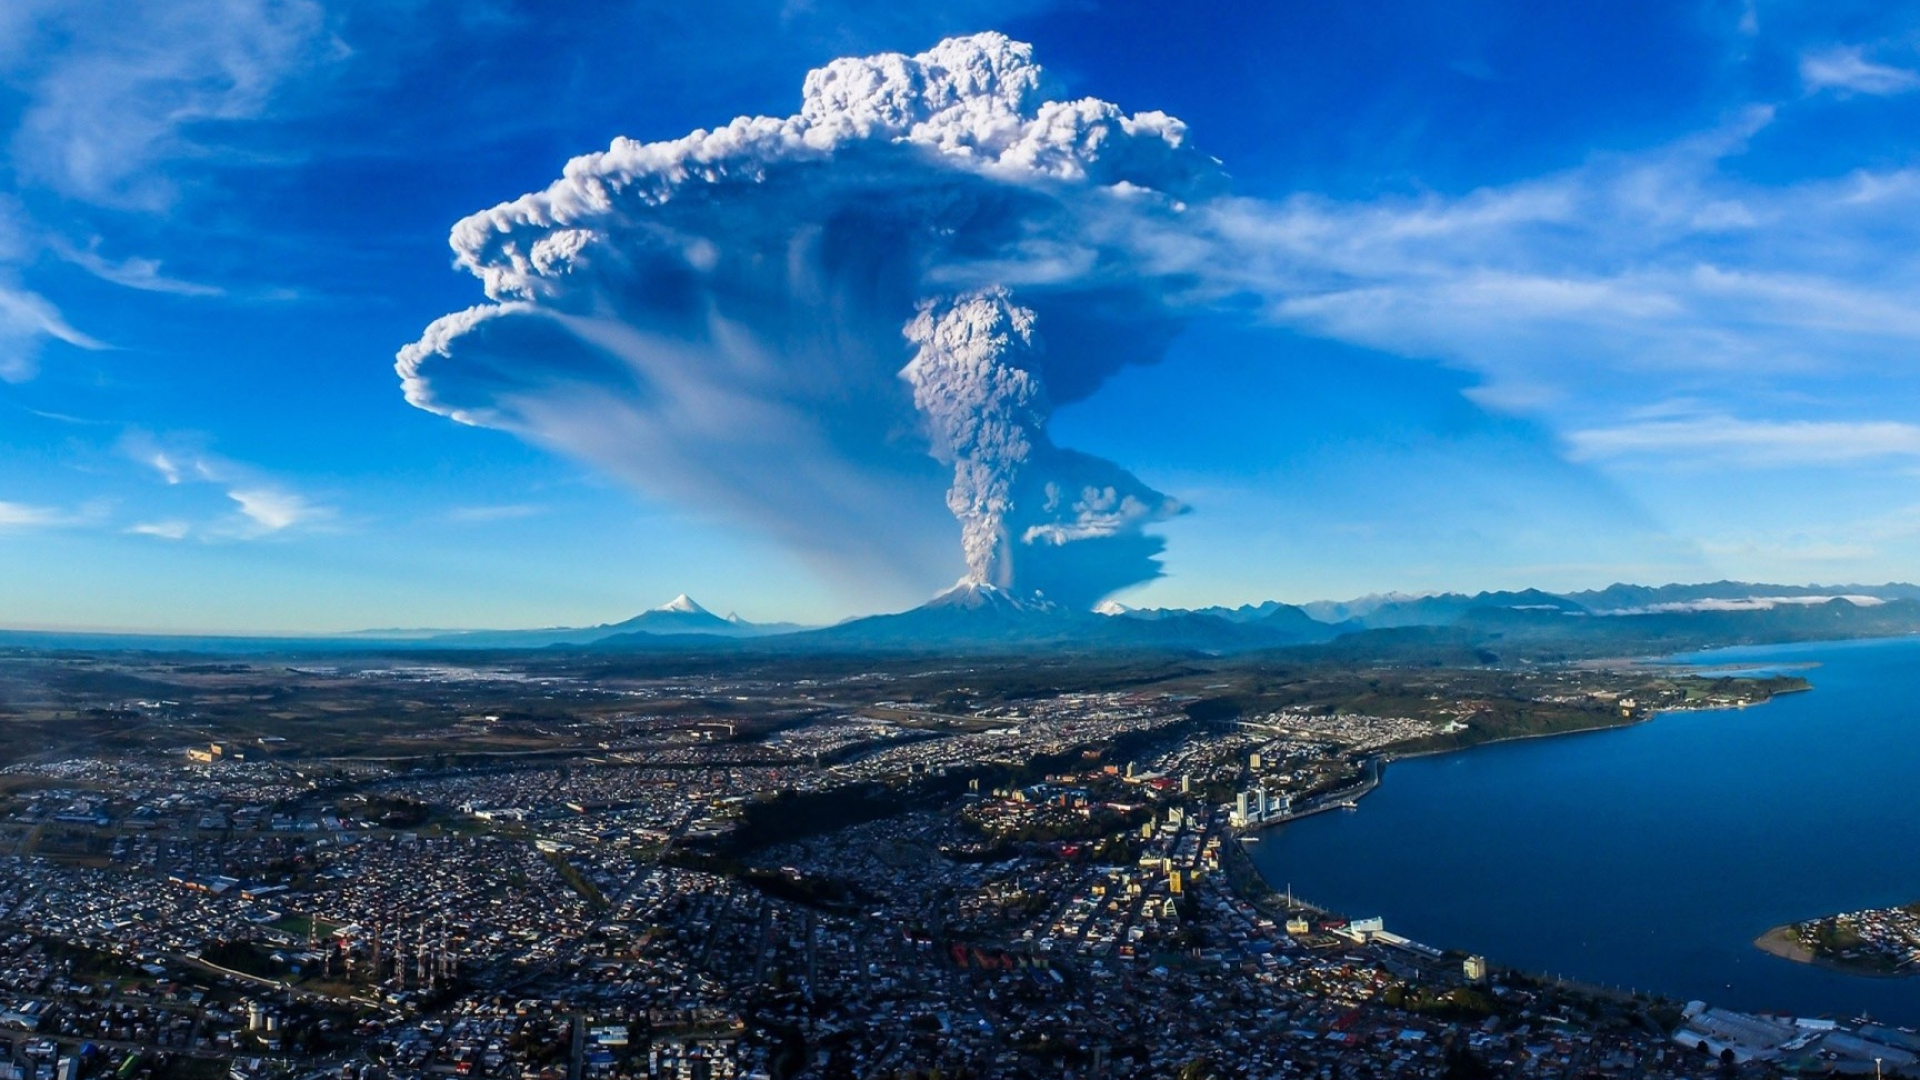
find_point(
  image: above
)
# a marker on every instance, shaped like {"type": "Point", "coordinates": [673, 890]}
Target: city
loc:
{"type": "Point", "coordinates": [896, 871]}
{"type": "Point", "coordinates": [1248, 541]}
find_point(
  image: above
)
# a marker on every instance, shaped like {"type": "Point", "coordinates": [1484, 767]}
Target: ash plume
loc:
{"type": "Point", "coordinates": [815, 324]}
{"type": "Point", "coordinates": [976, 378]}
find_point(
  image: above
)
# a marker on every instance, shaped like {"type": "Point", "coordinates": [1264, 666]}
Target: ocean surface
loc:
{"type": "Point", "coordinates": [1650, 857]}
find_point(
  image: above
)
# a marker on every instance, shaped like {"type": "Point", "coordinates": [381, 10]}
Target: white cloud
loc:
{"type": "Point", "coordinates": [1579, 295]}
{"type": "Point", "coordinates": [27, 319]}
{"type": "Point", "coordinates": [1845, 68]}
{"type": "Point", "coordinates": [265, 505]}
{"type": "Point", "coordinates": [132, 272]}
{"type": "Point", "coordinates": [162, 463]}
{"type": "Point", "coordinates": [108, 98]}
{"type": "Point", "coordinates": [1825, 549]}
{"type": "Point", "coordinates": [14, 516]}
{"type": "Point", "coordinates": [163, 530]}
{"type": "Point", "coordinates": [116, 89]}
{"type": "Point", "coordinates": [1727, 440]}
{"type": "Point", "coordinates": [273, 509]}
{"type": "Point", "coordinates": [503, 512]}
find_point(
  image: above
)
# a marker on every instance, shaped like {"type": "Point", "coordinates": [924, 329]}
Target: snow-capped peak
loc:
{"type": "Point", "coordinates": [1110, 607]}
{"type": "Point", "coordinates": [683, 604]}
{"type": "Point", "coordinates": [978, 595]}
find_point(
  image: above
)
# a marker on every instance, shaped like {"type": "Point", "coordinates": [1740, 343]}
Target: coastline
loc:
{"type": "Point", "coordinates": [1782, 942]}
{"type": "Point", "coordinates": [1777, 942]}
{"type": "Point", "coordinates": [1335, 800]}
{"type": "Point", "coordinates": [1811, 987]}
{"type": "Point", "coordinates": [1409, 755]}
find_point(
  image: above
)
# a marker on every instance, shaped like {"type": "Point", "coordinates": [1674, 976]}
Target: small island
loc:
{"type": "Point", "coordinates": [1883, 942]}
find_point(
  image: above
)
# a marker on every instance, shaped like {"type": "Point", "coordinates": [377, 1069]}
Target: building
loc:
{"type": "Point", "coordinates": [1254, 806]}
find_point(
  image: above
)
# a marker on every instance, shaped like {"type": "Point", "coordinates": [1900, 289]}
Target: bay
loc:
{"type": "Point", "coordinates": [1651, 856]}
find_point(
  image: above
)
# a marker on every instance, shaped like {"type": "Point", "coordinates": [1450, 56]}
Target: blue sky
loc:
{"type": "Point", "coordinates": [1497, 294]}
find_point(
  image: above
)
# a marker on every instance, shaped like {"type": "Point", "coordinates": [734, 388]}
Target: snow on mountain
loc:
{"type": "Point", "coordinates": [683, 605]}
{"type": "Point", "coordinates": [1745, 603]}
{"type": "Point", "coordinates": [977, 596]}
{"type": "Point", "coordinates": [1334, 611]}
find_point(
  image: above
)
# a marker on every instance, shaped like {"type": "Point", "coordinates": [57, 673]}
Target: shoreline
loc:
{"type": "Point", "coordinates": [1245, 852]}
{"type": "Point", "coordinates": [1388, 757]}
{"type": "Point", "coordinates": [1782, 942]}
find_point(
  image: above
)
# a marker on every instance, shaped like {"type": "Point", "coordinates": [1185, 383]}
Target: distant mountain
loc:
{"type": "Point", "coordinates": [1445, 609]}
{"type": "Point", "coordinates": [1288, 620]}
{"type": "Point", "coordinates": [973, 615]}
{"type": "Point", "coordinates": [1729, 595]}
{"type": "Point", "coordinates": [678, 617]}
{"type": "Point", "coordinates": [1546, 634]}
{"type": "Point", "coordinates": [1247, 626]}
{"type": "Point", "coordinates": [1340, 611]}
{"type": "Point", "coordinates": [743, 628]}
{"type": "Point", "coordinates": [1486, 627]}
{"type": "Point", "coordinates": [970, 614]}
{"type": "Point", "coordinates": [1245, 613]}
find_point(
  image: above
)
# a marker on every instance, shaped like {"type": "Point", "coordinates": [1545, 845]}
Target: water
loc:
{"type": "Point", "coordinates": [1651, 856]}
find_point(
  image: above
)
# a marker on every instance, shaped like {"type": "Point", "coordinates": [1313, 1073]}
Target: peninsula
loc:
{"type": "Point", "coordinates": [1876, 941]}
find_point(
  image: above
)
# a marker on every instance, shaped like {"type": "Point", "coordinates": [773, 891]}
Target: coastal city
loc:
{"type": "Point", "coordinates": [735, 875]}
{"type": "Point", "coordinates": [1248, 541]}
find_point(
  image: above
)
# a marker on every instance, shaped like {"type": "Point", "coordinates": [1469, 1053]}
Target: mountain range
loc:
{"type": "Point", "coordinates": [1620, 619]}
{"type": "Point", "coordinates": [1485, 626]}
{"type": "Point", "coordinates": [1529, 622]}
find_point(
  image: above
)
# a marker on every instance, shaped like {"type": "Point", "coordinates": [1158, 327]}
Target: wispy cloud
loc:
{"type": "Point", "coordinates": [163, 530]}
{"type": "Point", "coordinates": [27, 319]}
{"type": "Point", "coordinates": [132, 272]}
{"type": "Point", "coordinates": [115, 90]}
{"type": "Point", "coordinates": [1823, 546]}
{"type": "Point", "coordinates": [1846, 69]}
{"type": "Point", "coordinates": [112, 100]}
{"type": "Point", "coordinates": [1754, 443]}
{"type": "Point", "coordinates": [1579, 295]}
{"type": "Point", "coordinates": [264, 505]}
{"type": "Point", "coordinates": [273, 509]}
{"type": "Point", "coordinates": [162, 463]}
{"type": "Point", "coordinates": [16, 516]}
{"type": "Point", "coordinates": [505, 512]}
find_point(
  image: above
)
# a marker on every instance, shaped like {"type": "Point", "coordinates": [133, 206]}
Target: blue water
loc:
{"type": "Point", "coordinates": [1651, 856]}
